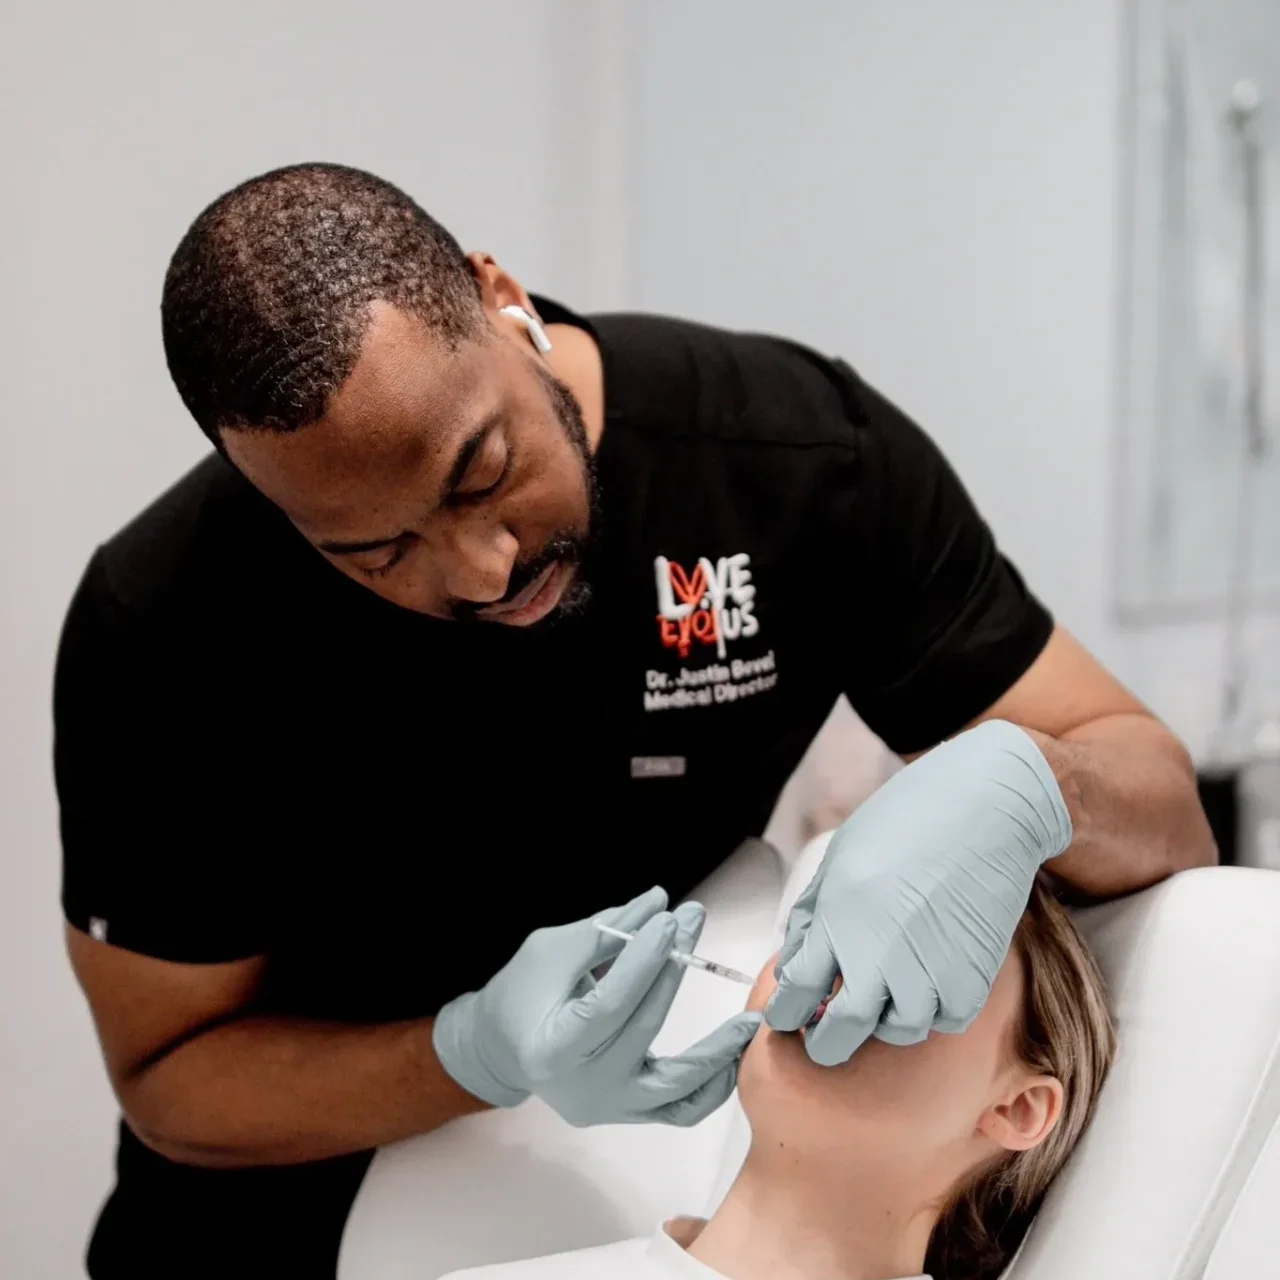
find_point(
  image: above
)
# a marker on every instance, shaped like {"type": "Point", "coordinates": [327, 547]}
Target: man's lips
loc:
{"type": "Point", "coordinates": [518, 604]}
{"type": "Point", "coordinates": [522, 599]}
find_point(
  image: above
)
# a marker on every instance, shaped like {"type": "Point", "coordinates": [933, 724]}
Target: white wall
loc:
{"type": "Point", "coordinates": [934, 191]}
{"type": "Point", "coordinates": [120, 122]}
{"type": "Point", "coordinates": [930, 189]}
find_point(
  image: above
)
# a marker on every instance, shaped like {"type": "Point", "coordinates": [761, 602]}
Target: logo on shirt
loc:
{"type": "Point", "coordinates": [713, 605]}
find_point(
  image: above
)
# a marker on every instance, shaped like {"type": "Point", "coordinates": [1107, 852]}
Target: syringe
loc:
{"type": "Point", "coordinates": [685, 958]}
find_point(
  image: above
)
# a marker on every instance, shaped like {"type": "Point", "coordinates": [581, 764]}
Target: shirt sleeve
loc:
{"type": "Point", "coordinates": [151, 837]}
{"type": "Point", "coordinates": [946, 624]}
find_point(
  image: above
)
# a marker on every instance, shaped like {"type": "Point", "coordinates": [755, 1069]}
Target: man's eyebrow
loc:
{"type": "Point", "coordinates": [462, 460]}
{"type": "Point", "coordinates": [351, 548]}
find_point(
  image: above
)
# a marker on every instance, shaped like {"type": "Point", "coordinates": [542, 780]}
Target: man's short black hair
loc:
{"type": "Point", "coordinates": [266, 299]}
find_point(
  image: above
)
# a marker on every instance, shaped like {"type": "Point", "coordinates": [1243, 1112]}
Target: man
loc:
{"type": "Point", "coordinates": [484, 618]}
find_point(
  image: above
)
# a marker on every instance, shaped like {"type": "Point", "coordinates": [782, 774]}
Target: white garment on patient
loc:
{"type": "Point", "coordinates": [661, 1256]}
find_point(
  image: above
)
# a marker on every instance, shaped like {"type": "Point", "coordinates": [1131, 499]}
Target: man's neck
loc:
{"type": "Point", "coordinates": [787, 1220]}
{"type": "Point", "coordinates": [575, 359]}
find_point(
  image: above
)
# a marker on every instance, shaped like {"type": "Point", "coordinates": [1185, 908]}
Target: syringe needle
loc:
{"type": "Point", "coordinates": [686, 958]}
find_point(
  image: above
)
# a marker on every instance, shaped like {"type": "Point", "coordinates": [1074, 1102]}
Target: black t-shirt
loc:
{"type": "Point", "coordinates": [258, 756]}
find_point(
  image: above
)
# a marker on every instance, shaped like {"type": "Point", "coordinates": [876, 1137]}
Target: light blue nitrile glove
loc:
{"type": "Point", "coordinates": [917, 899]}
{"type": "Point", "coordinates": [542, 1025]}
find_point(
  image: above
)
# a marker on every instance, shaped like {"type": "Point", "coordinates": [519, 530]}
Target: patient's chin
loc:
{"type": "Point", "coordinates": [791, 1102]}
{"type": "Point", "coordinates": [776, 1065]}
{"type": "Point", "coordinates": [877, 1079]}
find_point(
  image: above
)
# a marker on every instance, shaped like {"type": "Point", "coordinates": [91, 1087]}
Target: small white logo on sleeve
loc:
{"type": "Point", "coordinates": [97, 928]}
{"type": "Point", "coordinates": [658, 766]}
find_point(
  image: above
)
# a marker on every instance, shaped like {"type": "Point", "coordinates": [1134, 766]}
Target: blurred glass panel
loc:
{"type": "Point", "coordinates": [1200, 491]}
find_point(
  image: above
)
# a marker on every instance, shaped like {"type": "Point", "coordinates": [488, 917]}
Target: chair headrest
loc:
{"type": "Point", "coordinates": [1194, 970]}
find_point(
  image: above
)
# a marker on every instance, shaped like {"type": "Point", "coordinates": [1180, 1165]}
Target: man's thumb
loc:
{"type": "Point", "coordinates": [804, 980]}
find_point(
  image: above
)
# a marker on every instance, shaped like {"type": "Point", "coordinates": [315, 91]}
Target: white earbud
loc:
{"type": "Point", "coordinates": [537, 334]}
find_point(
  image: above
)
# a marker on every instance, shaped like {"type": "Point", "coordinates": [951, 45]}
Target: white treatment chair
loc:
{"type": "Point", "coordinates": [1194, 968]}
{"type": "Point", "coordinates": [1193, 965]}
{"type": "Point", "coordinates": [1250, 1244]}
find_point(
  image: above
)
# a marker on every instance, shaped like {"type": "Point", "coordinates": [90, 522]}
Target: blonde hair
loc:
{"type": "Point", "coordinates": [1066, 1030]}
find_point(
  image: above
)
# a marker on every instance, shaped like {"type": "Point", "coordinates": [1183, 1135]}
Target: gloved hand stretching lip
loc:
{"type": "Point", "coordinates": [822, 1006]}
{"type": "Point", "coordinates": [543, 1025]}
{"type": "Point", "coordinates": [917, 899]}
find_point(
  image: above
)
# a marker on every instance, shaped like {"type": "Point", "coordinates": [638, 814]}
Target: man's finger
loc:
{"type": "Point", "coordinates": [631, 915]}
{"type": "Point", "coordinates": [962, 991]}
{"type": "Point", "coordinates": [698, 1105]}
{"type": "Point", "coordinates": [798, 920]}
{"type": "Point", "coordinates": [913, 1004]}
{"type": "Point", "coordinates": [607, 1007]}
{"type": "Point", "coordinates": [803, 983]}
{"type": "Point", "coordinates": [644, 1024]}
{"type": "Point", "coordinates": [801, 914]}
{"type": "Point", "coordinates": [849, 1019]}
{"type": "Point", "coordinates": [579, 948]}
{"type": "Point", "coordinates": [682, 1074]}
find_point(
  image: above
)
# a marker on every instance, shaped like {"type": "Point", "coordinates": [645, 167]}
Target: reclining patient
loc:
{"type": "Point", "coordinates": [930, 1157]}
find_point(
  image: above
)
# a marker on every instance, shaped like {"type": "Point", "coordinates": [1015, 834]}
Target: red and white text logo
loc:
{"type": "Point", "coordinates": [711, 605]}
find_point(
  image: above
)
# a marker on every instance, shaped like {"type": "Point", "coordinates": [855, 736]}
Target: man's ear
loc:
{"type": "Point", "coordinates": [1027, 1115]}
{"type": "Point", "coordinates": [498, 287]}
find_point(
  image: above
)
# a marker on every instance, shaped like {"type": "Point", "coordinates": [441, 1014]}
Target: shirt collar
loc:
{"type": "Point", "coordinates": [669, 1248]}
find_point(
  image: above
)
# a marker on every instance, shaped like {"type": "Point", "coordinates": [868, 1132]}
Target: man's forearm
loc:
{"type": "Point", "coordinates": [266, 1090]}
{"type": "Point", "coordinates": [1136, 816]}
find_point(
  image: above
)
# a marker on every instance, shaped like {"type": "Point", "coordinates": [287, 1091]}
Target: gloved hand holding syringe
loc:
{"type": "Point", "coordinates": [572, 1017]}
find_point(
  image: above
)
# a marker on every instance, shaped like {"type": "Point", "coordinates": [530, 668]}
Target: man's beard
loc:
{"type": "Point", "coordinates": [567, 547]}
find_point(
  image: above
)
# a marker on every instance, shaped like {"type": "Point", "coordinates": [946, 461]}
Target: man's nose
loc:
{"type": "Point", "coordinates": [479, 562]}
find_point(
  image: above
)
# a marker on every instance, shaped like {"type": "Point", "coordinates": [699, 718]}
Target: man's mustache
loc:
{"type": "Point", "coordinates": [562, 550]}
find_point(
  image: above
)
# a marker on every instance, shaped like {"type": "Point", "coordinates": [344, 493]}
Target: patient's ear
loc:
{"type": "Point", "coordinates": [1027, 1114]}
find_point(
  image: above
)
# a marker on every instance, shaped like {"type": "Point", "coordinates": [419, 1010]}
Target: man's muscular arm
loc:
{"type": "Point", "coordinates": [204, 1080]}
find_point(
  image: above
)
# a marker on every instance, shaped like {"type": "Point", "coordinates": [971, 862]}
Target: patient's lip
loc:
{"type": "Point", "coordinates": [818, 1012]}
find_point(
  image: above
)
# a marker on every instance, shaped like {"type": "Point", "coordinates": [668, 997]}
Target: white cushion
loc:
{"type": "Point", "coordinates": [515, 1183]}
{"type": "Point", "coordinates": [1194, 969]}
{"type": "Point", "coordinates": [1249, 1246]}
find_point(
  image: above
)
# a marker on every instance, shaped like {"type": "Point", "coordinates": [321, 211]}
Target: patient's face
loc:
{"type": "Point", "coordinates": [909, 1104]}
